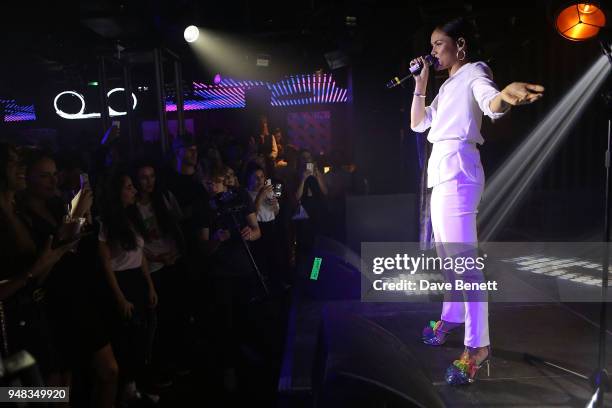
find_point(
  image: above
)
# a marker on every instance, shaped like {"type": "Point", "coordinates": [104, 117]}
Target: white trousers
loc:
{"type": "Point", "coordinates": [454, 205]}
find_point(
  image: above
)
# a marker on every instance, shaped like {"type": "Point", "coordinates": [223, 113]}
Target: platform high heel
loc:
{"type": "Point", "coordinates": [435, 334]}
{"type": "Point", "coordinates": [465, 370]}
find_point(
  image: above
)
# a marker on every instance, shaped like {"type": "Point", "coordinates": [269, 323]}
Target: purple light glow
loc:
{"type": "Point", "coordinates": [17, 113]}
{"type": "Point", "coordinates": [217, 79]}
{"type": "Point", "coordinates": [295, 90]}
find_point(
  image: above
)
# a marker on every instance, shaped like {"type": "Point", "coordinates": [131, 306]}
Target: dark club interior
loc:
{"type": "Point", "coordinates": [210, 204]}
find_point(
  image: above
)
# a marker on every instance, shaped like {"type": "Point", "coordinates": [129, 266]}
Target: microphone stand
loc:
{"type": "Point", "coordinates": [245, 244]}
{"type": "Point", "coordinates": [600, 379]}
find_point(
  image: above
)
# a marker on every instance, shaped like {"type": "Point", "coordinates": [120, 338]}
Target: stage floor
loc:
{"type": "Point", "coordinates": [552, 332]}
{"type": "Point", "coordinates": [357, 333]}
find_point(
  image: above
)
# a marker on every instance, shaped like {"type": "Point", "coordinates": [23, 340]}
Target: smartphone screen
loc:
{"type": "Point", "coordinates": [278, 189]}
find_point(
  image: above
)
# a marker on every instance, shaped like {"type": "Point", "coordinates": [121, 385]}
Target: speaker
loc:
{"type": "Point", "coordinates": [337, 275]}
{"type": "Point", "coordinates": [359, 363]}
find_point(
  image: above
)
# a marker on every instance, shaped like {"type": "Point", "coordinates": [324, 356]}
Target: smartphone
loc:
{"type": "Point", "coordinates": [84, 180]}
{"type": "Point", "coordinates": [268, 182]}
{"type": "Point", "coordinates": [310, 166]}
{"type": "Point", "coordinates": [278, 190]}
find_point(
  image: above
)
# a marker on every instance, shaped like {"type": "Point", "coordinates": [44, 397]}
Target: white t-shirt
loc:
{"type": "Point", "coordinates": [455, 118]}
{"type": "Point", "coordinates": [121, 259]}
{"type": "Point", "coordinates": [157, 244]}
{"type": "Point", "coordinates": [265, 213]}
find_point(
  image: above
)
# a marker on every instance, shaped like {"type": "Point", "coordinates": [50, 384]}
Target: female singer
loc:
{"type": "Point", "coordinates": [455, 172]}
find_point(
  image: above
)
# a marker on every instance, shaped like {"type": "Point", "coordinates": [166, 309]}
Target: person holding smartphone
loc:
{"type": "Point", "coordinates": [262, 193]}
{"type": "Point", "coordinates": [266, 250]}
{"type": "Point", "coordinates": [310, 197]}
{"type": "Point", "coordinates": [69, 293]}
{"type": "Point", "coordinates": [25, 268]}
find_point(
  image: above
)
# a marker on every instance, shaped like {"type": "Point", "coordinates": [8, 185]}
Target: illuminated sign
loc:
{"type": "Point", "coordinates": [81, 113]}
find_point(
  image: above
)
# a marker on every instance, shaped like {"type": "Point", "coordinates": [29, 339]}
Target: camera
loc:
{"type": "Point", "coordinates": [226, 202]}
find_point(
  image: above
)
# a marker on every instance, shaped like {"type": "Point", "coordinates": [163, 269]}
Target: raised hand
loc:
{"type": "Point", "coordinates": [82, 202]}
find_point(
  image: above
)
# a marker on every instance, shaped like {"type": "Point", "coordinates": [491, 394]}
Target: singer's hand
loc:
{"type": "Point", "coordinates": [420, 80]}
{"type": "Point", "coordinates": [521, 93]}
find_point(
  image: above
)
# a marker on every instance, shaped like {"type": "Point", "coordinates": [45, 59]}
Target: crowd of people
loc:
{"type": "Point", "coordinates": [108, 264]}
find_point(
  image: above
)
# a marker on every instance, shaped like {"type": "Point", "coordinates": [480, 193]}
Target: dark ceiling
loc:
{"type": "Point", "coordinates": [61, 40]}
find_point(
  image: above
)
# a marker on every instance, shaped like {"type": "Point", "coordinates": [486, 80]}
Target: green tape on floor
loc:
{"type": "Point", "coordinates": [316, 265]}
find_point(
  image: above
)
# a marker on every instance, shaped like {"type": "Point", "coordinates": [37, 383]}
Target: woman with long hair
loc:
{"type": "Point", "coordinates": [71, 295]}
{"type": "Point", "coordinates": [310, 194]}
{"type": "Point", "coordinates": [160, 214]}
{"type": "Point", "coordinates": [18, 248]}
{"type": "Point", "coordinates": [455, 172]}
{"type": "Point", "coordinates": [126, 269]}
{"type": "Point", "coordinates": [23, 325]}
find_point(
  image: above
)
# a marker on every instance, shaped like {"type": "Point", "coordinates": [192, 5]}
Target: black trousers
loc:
{"type": "Point", "coordinates": [171, 316]}
{"type": "Point", "coordinates": [234, 284]}
{"type": "Point", "coordinates": [129, 340]}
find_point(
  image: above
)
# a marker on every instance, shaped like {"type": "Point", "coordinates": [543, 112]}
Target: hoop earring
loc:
{"type": "Point", "coordinates": [464, 55]}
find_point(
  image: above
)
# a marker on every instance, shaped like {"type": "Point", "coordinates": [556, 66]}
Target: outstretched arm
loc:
{"type": "Point", "coordinates": [517, 93]}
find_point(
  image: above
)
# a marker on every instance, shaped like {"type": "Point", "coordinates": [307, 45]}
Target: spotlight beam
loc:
{"type": "Point", "coordinates": [511, 181]}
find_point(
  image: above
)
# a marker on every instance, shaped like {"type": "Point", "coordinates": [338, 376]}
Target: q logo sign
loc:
{"type": "Point", "coordinates": [81, 113]}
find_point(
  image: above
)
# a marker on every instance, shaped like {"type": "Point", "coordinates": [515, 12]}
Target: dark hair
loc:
{"type": "Point", "coordinates": [70, 160]}
{"type": "Point", "coordinates": [215, 172]}
{"type": "Point", "coordinates": [291, 156]}
{"type": "Point", "coordinates": [460, 27]}
{"type": "Point", "coordinates": [301, 161]}
{"type": "Point", "coordinates": [182, 141]}
{"type": "Point", "coordinates": [121, 223]}
{"type": "Point", "coordinates": [251, 170]}
{"type": "Point", "coordinates": [165, 220]}
{"type": "Point", "coordinates": [5, 151]}
{"type": "Point", "coordinates": [33, 155]}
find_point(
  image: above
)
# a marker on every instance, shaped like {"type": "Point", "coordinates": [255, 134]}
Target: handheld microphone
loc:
{"type": "Point", "coordinates": [414, 70]}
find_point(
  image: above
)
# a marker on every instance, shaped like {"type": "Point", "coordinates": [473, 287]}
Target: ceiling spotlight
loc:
{"type": "Point", "coordinates": [191, 33]}
{"type": "Point", "coordinates": [580, 21]}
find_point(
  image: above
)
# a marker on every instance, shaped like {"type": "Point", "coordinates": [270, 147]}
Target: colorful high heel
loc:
{"type": "Point", "coordinates": [464, 370]}
{"type": "Point", "coordinates": [435, 334]}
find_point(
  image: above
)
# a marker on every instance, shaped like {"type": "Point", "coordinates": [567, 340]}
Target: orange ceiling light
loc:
{"type": "Point", "coordinates": [580, 21]}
